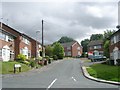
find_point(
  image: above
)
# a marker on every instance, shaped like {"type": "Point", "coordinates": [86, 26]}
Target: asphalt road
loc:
{"type": "Point", "coordinates": [60, 74]}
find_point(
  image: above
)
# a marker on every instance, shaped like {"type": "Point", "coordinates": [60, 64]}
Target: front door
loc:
{"type": "Point", "coordinates": [6, 54]}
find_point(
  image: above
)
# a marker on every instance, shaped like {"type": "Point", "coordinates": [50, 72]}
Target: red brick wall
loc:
{"type": "Point", "coordinates": [17, 39]}
{"type": "Point", "coordinates": [7, 43]}
{"type": "Point", "coordinates": [75, 49]}
{"type": "Point", "coordinates": [33, 48]}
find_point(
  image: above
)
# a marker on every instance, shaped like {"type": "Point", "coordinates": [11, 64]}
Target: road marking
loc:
{"type": "Point", "coordinates": [74, 79]}
{"type": "Point", "coordinates": [51, 84]}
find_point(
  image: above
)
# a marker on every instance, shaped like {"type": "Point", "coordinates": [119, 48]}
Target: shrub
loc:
{"type": "Point", "coordinates": [21, 57]}
{"type": "Point", "coordinates": [55, 57]}
{"type": "Point", "coordinates": [118, 62]}
{"type": "Point", "coordinates": [32, 63]}
{"type": "Point", "coordinates": [47, 57]}
{"type": "Point", "coordinates": [61, 55]}
{"type": "Point", "coordinates": [26, 62]}
{"type": "Point", "coordinates": [40, 58]}
{"type": "Point", "coordinates": [111, 62]}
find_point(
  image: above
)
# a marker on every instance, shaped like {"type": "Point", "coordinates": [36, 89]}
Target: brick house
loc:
{"type": "Point", "coordinates": [115, 46]}
{"type": "Point", "coordinates": [7, 45]}
{"type": "Point", "coordinates": [95, 48]}
{"type": "Point", "coordinates": [23, 44]}
{"type": "Point", "coordinates": [72, 49]}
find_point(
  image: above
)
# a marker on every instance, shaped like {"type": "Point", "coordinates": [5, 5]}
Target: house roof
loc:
{"type": "Point", "coordinates": [68, 44]}
{"type": "Point", "coordinates": [10, 28]}
{"type": "Point", "coordinates": [95, 42]}
{"type": "Point", "coordinates": [20, 33]}
{"type": "Point", "coordinates": [6, 32]}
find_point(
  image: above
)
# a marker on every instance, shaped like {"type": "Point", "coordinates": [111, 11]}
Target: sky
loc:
{"type": "Point", "coordinates": [75, 19]}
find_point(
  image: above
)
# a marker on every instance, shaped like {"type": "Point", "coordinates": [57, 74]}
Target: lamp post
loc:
{"type": "Point", "coordinates": [42, 41]}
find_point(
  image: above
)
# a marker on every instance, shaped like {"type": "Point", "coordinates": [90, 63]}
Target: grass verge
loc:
{"type": "Point", "coordinates": [106, 72]}
{"type": "Point", "coordinates": [7, 67]}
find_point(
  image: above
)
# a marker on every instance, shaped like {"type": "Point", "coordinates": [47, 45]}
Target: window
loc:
{"type": "Point", "coordinates": [97, 47]}
{"type": "Point", "coordinates": [26, 41]}
{"type": "Point", "coordinates": [10, 39]}
{"type": "Point", "coordinates": [91, 47]}
{"type": "Point", "coordinates": [3, 52]}
{"type": "Point", "coordinates": [29, 53]}
{"type": "Point", "coordinates": [78, 48]}
{"type": "Point", "coordinates": [115, 39]}
{"type": "Point", "coordinates": [2, 36]}
{"type": "Point", "coordinates": [68, 48]}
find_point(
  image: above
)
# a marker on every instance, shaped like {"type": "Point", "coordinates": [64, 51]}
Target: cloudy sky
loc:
{"type": "Point", "coordinates": [73, 19]}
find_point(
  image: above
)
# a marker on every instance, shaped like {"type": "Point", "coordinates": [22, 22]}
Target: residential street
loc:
{"type": "Point", "coordinates": [60, 74]}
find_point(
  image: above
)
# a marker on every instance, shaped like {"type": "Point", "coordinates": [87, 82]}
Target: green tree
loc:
{"type": "Point", "coordinates": [106, 42]}
{"type": "Point", "coordinates": [107, 34]}
{"type": "Point", "coordinates": [65, 39]}
{"type": "Point", "coordinates": [106, 48]}
{"type": "Point", "coordinates": [58, 50]}
{"type": "Point", "coordinates": [84, 44]}
{"type": "Point", "coordinates": [96, 37]}
{"type": "Point", "coordinates": [49, 51]}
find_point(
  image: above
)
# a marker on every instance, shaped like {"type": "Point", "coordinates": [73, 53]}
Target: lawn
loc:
{"type": "Point", "coordinates": [7, 67]}
{"type": "Point", "coordinates": [106, 72]}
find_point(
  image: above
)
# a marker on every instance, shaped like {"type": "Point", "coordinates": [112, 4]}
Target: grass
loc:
{"type": "Point", "coordinates": [7, 67]}
{"type": "Point", "coordinates": [87, 60]}
{"type": "Point", "coordinates": [106, 72]}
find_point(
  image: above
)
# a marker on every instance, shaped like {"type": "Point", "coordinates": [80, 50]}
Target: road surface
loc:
{"type": "Point", "coordinates": [60, 74]}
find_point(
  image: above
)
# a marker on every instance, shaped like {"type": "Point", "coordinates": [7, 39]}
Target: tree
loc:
{"type": "Point", "coordinates": [106, 48]}
{"type": "Point", "coordinates": [106, 42]}
{"type": "Point", "coordinates": [65, 39]}
{"type": "Point", "coordinates": [84, 44]}
{"type": "Point", "coordinates": [58, 50]}
{"type": "Point", "coordinates": [96, 37]}
{"type": "Point", "coordinates": [107, 34]}
{"type": "Point", "coordinates": [49, 51]}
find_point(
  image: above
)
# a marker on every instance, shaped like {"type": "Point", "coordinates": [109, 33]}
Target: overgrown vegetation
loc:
{"type": "Point", "coordinates": [106, 72]}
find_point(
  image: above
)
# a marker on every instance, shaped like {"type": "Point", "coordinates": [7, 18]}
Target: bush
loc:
{"type": "Point", "coordinates": [26, 62]}
{"type": "Point", "coordinates": [55, 57]}
{"type": "Point", "coordinates": [47, 57]}
{"type": "Point", "coordinates": [61, 55]}
{"type": "Point", "coordinates": [110, 62]}
{"type": "Point", "coordinates": [21, 57]}
{"type": "Point", "coordinates": [32, 63]}
{"type": "Point", "coordinates": [39, 58]}
{"type": "Point", "coordinates": [118, 62]}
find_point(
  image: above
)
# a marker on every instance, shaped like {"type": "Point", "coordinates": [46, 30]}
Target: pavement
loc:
{"type": "Point", "coordinates": [60, 74]}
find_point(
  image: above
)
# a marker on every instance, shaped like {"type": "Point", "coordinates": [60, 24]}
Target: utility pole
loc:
{"type": "Point", "coordinates": [42, 41]}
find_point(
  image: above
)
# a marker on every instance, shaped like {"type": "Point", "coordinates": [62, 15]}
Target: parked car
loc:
{"type": "Point", "coordinates": [96, 58]}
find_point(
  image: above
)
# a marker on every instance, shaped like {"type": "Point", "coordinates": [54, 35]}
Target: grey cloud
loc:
{"type": "Point", "coordinates": [60, 19]}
